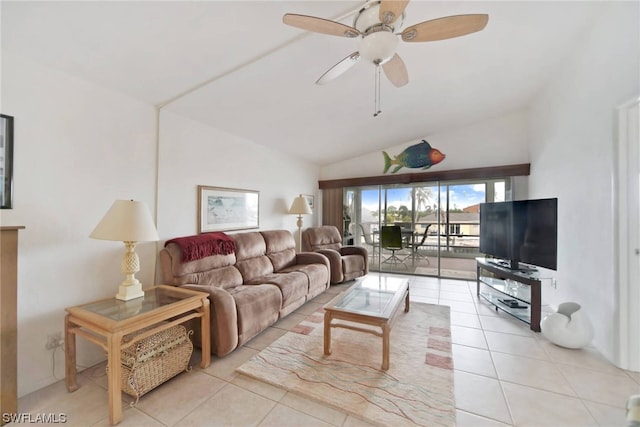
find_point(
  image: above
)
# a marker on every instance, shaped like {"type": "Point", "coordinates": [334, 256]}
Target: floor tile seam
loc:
{"type": "Point", "coordinates": [538, 388]}
{"type": "Point", "coordinates": [154, 418]}
{"type": "Point", "coordinates": [522, 355]}
{"type": "Point", "coordinates": [476, 373]}
{"type": "Point", "coordinates": [312, 415]}
{"type": "Point", "coordinates": [593, 416]}
{"type": "Point", "coordinates": [253, 392]}
{"type": "Point", "coordinates": [453, 300]}
{"type": "Point", "coordinates": [504, 394]}
{"type": "Point", "coordinates": [535, 388]}
{"type": "Point", "coordinates": [514, 335]}
{"type": "Point", "coordinates": [226, 379]}
{"type": "Point", "coordinates": [586, 399]}
{"type": "Point", "coordinates": [457, 311]}
{"type": "Point", "coordinates": [593, 370]}
{"type": "Point", "coordinates": [259, 423]}
{"type": "Point", "coordinates": [468, 411]}
{"type": "Point", "coordinates": [483, 416]}
{"type": "Point", "coordinates": [575, 390]}
{"type": "Point", "coordinates": [471, 346]}
{"type": "Point", "coordinates": [204, 401]}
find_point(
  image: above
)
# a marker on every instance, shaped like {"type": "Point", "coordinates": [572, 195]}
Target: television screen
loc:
{"type": "Point", "coordinates": [520, 231]}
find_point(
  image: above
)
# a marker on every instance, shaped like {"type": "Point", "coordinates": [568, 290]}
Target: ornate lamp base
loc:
{"type": "Point", "coordinates": [131, 287]}
{"type": "Point", "coordinates": [128, 292]}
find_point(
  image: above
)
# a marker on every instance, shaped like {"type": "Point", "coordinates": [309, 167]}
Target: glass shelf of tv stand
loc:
{"type": "Point", "coordinates": [501, 295]}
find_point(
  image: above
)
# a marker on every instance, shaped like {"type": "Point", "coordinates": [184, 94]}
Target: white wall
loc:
{"type": "Point", "coordinates": [572, 140]}
{"type": "Point", "coordinates": [193, 154]}
{"type": "Point", "coordinates": [500, 141]}
{"type": "Point", "coordinates": [77, 149]}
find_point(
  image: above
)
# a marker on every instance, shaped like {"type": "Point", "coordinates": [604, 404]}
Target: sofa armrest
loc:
{"type": "Point", "coordinates": [335, 264]}
{"type": "Point", "coordinates": [311, 258]}
{"type": "Point", "coordinates": [357, 250]}
{"type": "Point", "coordinates": [224, 319]}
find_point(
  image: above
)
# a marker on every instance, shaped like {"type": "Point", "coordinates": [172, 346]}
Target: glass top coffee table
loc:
{"type": "Point", "coordinates": [374, 301]}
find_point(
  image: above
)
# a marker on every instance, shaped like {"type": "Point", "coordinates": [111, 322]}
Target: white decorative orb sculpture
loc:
{"type": "Point", "coordinates": [569, 327]}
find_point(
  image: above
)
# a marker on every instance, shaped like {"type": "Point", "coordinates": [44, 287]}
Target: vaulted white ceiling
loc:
{"type": "Point", "coordinates": [235, 66]}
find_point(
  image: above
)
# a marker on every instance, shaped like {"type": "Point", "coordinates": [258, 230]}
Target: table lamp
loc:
{"type": "Point", "coordinates": [128, 221]}
{"type": "Point", "coordinates": [300, 207]}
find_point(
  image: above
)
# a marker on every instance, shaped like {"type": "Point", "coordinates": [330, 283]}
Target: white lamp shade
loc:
{"type": "Point", "coordinates": [300, 206]}
{"type": "Point", "coordinates": [126, 221]}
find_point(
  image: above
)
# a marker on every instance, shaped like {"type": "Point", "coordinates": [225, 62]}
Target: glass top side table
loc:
{"type": "Point", "coordinates": [107, 321]}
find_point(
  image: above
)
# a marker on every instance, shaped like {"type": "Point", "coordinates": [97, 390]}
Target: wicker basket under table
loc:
{"type": "Point", "coordinates": [153, 360]}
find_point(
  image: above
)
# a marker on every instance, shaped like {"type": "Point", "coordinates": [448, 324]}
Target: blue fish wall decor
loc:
{"type": "Point", "coordinates": [420, 155]}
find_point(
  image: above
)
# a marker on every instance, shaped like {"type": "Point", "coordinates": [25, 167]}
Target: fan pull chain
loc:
{"type": "Point", "coordinates": [376, 108]}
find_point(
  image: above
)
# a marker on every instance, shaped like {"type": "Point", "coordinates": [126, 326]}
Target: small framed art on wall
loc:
{"type": "Point", "coordinates": [6, 162]}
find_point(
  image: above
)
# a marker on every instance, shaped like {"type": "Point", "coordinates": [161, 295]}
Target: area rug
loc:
{"type": "Point", "coordinates": [416, 390]}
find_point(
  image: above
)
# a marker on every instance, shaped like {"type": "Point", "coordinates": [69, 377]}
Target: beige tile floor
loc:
{"type": "Point", "coordinates": [504, 375]}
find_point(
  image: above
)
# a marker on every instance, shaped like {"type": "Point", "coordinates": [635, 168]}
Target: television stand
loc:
{"type": "Point", "coordinates": [515, 292]}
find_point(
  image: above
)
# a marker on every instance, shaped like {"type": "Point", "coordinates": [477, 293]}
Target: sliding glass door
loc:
{"type": "Point", "coordinates": [438, 223]}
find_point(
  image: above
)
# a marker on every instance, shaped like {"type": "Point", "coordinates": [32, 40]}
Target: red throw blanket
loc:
{"type": "Point", "coordinates": [204, 245]}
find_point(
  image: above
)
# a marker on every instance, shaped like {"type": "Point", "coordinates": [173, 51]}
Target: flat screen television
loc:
{"type": "Point", "coordinates": [521, 231]}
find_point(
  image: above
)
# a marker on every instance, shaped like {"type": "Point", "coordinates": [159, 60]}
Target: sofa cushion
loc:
{"type": "Point", "coordinates": [251, 258]}
{"type": "Point", "coordinates": [258, 307]}
{"type": "Point", "coordinates": [280, 248]}
{"type": "Point", "coordinates": [318, 277]}
{"type": "Point", "coordinates": [293, 285]}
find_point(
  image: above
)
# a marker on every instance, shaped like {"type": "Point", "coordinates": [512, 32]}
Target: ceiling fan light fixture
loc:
{"type": "Point", "coordinates": [378, 47]}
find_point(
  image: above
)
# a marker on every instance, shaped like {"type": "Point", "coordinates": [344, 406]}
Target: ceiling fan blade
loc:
{"type": "Point", "coordinates": [320, 25]}
{"type": "Point", "coordinates": [396, 71]}
{"type": "Point", "coordinates": [390, 10]}
{"type": "Point", "coordinates": [445, 28]}
{"type": "Point", "coordinates": [338, 69]}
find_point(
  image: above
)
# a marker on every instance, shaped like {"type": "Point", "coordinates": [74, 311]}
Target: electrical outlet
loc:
{"type": "Point", "coordinates": [54, 341]}
{"type": "Point", "coordinates": [555, 283]}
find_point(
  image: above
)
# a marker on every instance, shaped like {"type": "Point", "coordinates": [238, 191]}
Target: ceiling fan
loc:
{"type": "Point", "coordinates": [376, 22]}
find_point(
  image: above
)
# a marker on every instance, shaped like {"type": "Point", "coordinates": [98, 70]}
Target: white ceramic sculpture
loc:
{"type": "Point", "coordinates": [568, 327]}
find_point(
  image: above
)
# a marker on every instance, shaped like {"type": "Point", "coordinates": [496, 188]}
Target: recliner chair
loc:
{"type": "Point", "coordinates": [347, 262]}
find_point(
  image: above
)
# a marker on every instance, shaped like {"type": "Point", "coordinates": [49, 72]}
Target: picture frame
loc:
{"type": "Point", "coordinates": [310, 199]}
{"type": "Point", "coordinates": [6, 162]}
{"type": "Point", "coordinates": [226, 209]}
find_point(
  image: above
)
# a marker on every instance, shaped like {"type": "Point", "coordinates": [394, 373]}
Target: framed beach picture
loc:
{"type": "Point", "coordinates": [225, 209]}
{"type": "Point", "coordinates": [6, 162]}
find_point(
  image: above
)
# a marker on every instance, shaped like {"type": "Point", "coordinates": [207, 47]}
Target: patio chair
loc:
{"type": "Point", "coordinates": [391, 240]}
{"type": "Point", "coordinates": [370, 241]}
{"type": "Point", "coordinates": [415, 247]}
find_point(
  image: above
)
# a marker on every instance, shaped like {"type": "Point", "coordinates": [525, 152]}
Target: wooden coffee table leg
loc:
{"type": "Point", "coordinates": [385, 346]}
{"type": "Point", "coordinates": [327, 333]}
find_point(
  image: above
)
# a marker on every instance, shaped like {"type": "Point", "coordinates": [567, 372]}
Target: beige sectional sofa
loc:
{"type": "Point", "coordinates": [251, 288]}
